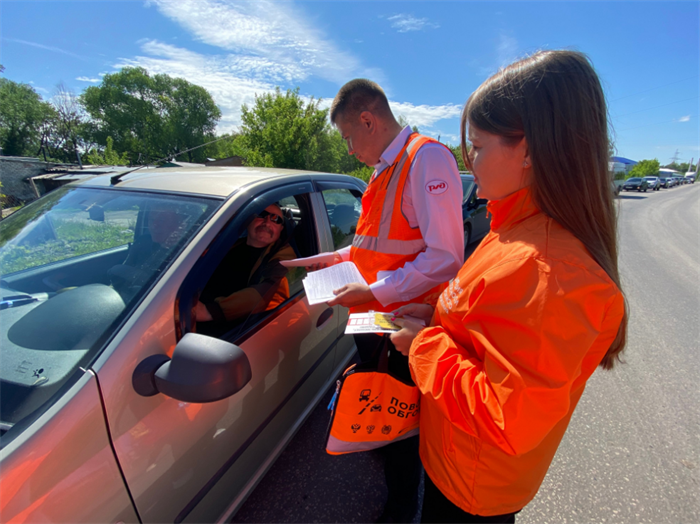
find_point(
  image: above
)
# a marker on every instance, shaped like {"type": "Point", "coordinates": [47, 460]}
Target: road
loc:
{"type": "Point", "coordinates": [632, 451]}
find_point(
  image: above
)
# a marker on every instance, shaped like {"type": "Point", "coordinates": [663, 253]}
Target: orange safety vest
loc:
{"type": "Point", "coordinates": [384, 240]}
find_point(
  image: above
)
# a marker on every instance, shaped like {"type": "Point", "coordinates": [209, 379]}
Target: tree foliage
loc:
{"type": "Point", "coordinates": [644, 168]}
{"type": "Point", "coordinates": [281, 130]}
{"type": "Point", "coordinates": [22, 115]}
{"type": "Point", "coordinates": [150, 117]}
{"type": "Point", "coordinates": [683, 167]}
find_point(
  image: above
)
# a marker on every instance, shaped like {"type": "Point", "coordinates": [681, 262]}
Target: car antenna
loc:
{"type": "Point", "coordinates": [116, 178]}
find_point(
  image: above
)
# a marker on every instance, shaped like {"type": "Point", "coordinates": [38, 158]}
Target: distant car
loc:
{"type": "Point", "coordinates": [116, 404]}
{"type": "Point", "coordinates": [664, 182]}
{"type": "Point", "coordinates": [476, 222]}
{"type": "Point", "coordinates": [690, 178]}
{"type": "Point", "coordinates": [680, 180]}
{"type": "Point", "coordinates": [638, 184]}
{"type": "Point", "coordinates": [672, 181]}
{"type": "Point", "coordinates": [654, 182]}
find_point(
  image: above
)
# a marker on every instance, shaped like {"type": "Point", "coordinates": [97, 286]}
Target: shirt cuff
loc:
{"type": "Point", "coordinates": [345, 253]}
{"type": "Point", "coordinates": [385, 292]}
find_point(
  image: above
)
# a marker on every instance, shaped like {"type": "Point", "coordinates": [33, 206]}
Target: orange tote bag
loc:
{"type": "Point", "coordinates": [371, 408]}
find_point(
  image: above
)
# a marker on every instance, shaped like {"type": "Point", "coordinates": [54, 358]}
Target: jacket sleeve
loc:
{"type": "Point", "coordinates": [503, 369]}
{"type": "Point", "coordinates": [255, 298]}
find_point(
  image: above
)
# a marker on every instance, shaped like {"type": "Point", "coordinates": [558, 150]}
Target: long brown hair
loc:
{"type": "Point", "coordinates": [554, 99]}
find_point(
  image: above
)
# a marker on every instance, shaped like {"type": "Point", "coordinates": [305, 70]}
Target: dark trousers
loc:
{"type": "Point", "coordinates": [403, 468]}
{"type": "Point", "coordinates": [438, 508]}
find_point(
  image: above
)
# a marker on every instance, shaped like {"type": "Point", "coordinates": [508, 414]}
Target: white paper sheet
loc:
{"type": "Point", "coordinates": [323, 258]}
{"type": "Point", "coordinates": [319, 285]}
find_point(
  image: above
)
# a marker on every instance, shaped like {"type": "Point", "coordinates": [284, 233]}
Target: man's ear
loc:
{"type": "Point", "coordinates": [368, 121]}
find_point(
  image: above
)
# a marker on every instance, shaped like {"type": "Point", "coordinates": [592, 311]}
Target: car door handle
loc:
{"type": "Point", "coordinates": [324, 318]}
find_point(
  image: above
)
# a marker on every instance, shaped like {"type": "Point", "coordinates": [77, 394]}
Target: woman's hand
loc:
{"type": "Point", "coordinates": [422, 311]}
{"type": "Point", "coordinates": [404, 338]}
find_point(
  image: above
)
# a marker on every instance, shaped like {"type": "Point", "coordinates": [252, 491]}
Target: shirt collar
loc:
{"type": "Point", "coordinates": [512, 209]}
{"type": "Point", "coordinates": [389, 155]}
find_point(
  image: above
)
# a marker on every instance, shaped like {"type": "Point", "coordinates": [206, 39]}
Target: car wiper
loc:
{"type": "Point", "coordinates": [16, 300]}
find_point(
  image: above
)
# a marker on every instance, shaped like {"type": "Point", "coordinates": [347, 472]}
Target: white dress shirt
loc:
{"type": "Point", "coordinates": [438, 214]}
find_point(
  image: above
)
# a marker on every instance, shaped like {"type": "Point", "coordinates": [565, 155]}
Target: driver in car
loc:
{"type": "Point", "coordinates": [250, 278]}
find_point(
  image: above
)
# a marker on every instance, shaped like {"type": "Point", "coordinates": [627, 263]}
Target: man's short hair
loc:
{"type": "Point", "coordinates": [357, 96]}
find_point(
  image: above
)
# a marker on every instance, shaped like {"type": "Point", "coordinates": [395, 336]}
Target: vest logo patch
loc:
{"type": "Point", "coordinates": [436, 187]}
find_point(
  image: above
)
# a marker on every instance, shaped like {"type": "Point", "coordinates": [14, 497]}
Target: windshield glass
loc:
{"type": "Point", "coordinates": [73, 264]}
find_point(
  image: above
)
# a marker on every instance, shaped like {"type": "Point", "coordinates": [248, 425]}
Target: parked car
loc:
{"type": "Point", "coordinates": [115, 407]}
{"type": "Point", "coordinates": [679, 180]}
{"type": "Point", "coordinates": [654, 182]}
{"type": "Point", "coordinates": [664, 182]}
{"type": "Point", "coordinates": [672, 181]}
{"type": "Point", "coordinates": [634, 183]}
{"type": "Point", "coordinates": [477, 223]}
{"type": "Point", "coordinates": [690, 178]}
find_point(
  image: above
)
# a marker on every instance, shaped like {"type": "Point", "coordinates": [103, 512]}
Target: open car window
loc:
{"type": "Point", "coordinates": [74, 264]}
{"type": "Point", "coordinates": [242, 283]}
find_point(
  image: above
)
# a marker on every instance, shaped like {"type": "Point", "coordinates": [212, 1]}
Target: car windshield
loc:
{"type": "Point", "coordinates": [650, 178]}
{"type": "Point", "coordinates": [634, 180]}
{"type": "Point", "coordinates": [73, 264]}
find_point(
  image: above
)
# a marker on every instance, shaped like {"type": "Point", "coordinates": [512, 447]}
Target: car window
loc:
{"type": "Point", "coordinates": [242, 281]}
{"type": "Point", "coordinates": [466, 188]}
{"type": "Point", "coordinates": [343, 207]}
{"type": "Point", "coordinates": [74, 264]}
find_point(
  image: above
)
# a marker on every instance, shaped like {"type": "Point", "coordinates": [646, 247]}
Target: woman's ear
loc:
{"type": "Point", "coordinates": [524, 150]}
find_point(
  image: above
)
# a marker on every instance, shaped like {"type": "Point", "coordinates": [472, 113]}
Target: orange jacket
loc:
{"type": "Point", "coordinates": [384, 240]}
{"type": "Point", "coordinates": [513, 340]}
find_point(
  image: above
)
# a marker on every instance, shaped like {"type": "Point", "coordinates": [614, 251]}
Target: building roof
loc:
{"type": "Point", "coordinates": [623, 160]}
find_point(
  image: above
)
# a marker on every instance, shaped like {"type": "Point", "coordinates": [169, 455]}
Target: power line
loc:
{"type": "Point", "coordinates": [655, 107]}
{"type": "Point", "coordinates": [653, 88]}
{"type": "Point", "coordinates": [655, 124]}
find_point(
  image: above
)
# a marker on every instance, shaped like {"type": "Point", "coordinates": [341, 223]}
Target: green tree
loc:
{"type": "Point", "coordinates": [683, 167]}
{"type": "Point", "coordinates": [22, 114]}
{"type": "Point", "coordinates": [150, 117]}
{"type": "Point", "coordinates": [644, 168]}
{"type": "Point", "coordinates": [280, 130]}
{"type": "Point", "coordinates": [107, 157]}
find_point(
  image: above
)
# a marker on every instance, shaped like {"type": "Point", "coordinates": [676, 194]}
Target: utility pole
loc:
{"type": "Point", "coordinates": [674, 158]}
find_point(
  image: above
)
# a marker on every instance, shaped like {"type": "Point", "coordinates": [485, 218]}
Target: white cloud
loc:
{"type": "Point", "coordinates": [221, 75]}
{"type": "Point", "coordinates": [424, 115]}
{"type": "Point", "coordinates": [507, 50]}
{"type": "Point", "coordinates": [87, 79]}
{"type": "Point", "coordinates": [684, 118]}
{"type": "Point", "coordinates": [272, 35]}
{"type": "Point", "coordinates": [46, 47]}
{"type": "Point", "coordinates": [260, 45]}
{"type": "Point", "coordinates": [404, 23]}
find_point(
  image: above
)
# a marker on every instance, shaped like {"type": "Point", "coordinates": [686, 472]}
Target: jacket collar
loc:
{"type": "Point", "coordinates": [512, 209]}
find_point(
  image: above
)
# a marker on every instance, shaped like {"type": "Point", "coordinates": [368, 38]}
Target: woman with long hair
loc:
{"type": "Point", "coordinates": [538, 305]}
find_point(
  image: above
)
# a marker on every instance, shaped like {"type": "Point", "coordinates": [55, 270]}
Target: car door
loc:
{"type": "Point", "coordinates": [342, 205]}
{"type": "Point", "coordinates": [187, 462]}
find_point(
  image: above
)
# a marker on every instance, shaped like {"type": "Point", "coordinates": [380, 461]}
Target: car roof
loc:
{"type": "Point", "coordinates": [218, 181]}
{"type": "Point", "coordinates": [468, 176]}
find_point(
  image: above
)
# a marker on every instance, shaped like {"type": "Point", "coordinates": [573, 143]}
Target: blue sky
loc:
{"type": "Point", "coordinates": [428, 56]}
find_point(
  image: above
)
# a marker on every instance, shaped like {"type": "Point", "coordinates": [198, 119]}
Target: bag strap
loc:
{"type": "Point", "coordinates": [383, 365]}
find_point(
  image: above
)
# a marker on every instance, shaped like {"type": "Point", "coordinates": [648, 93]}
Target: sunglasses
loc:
{"type": "Point", "coordinates": [274, 218]}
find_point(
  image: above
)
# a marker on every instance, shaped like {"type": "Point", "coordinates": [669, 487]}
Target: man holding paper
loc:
{"type": "Point", "coordinates": [408, 242]}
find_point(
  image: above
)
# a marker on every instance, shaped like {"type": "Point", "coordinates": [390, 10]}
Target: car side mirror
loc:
{"type": "Point", "coordinates": [203, 369]}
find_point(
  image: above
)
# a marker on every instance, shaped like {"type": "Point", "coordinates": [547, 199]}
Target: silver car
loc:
{"type": "Point", "coordinates": [114, 406]}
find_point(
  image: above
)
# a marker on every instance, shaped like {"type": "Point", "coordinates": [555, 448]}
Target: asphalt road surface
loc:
{"type": "Point", "coordinates": [632, 451]}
